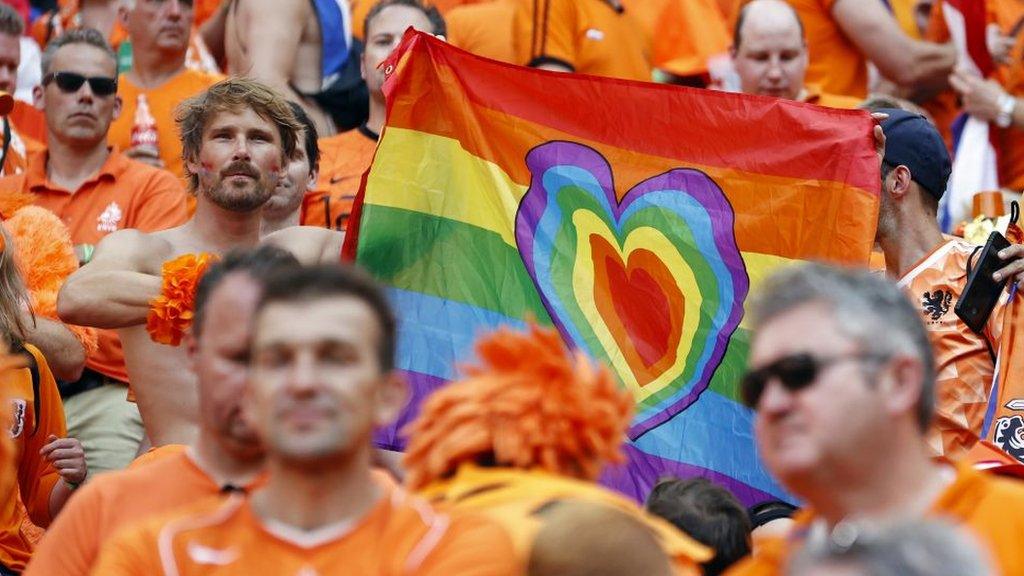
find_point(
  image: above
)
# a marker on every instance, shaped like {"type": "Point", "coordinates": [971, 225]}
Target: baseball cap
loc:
{"type": "Point", "coordinates": [912, 141]}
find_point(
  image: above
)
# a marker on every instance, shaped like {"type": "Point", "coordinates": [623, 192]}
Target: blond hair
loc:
{"type": "Point", "coordinates": [13, 295]}
{"type": "Point", "coordinates": [232, 95]}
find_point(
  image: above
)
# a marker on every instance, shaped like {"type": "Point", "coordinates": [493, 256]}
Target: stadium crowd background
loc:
{"type": "Point", "coordinates": [145, 134]}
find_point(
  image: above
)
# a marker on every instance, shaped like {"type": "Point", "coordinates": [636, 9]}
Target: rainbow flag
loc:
{"type": "Point", "coordinates": [634, 217]}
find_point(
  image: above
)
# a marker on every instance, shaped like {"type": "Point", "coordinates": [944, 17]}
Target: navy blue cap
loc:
{"type": "Point", "coordinates": [912, 141]}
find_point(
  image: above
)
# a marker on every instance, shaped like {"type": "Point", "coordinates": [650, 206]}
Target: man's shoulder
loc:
{"type": "Point", "coordinates": [140, 481]}
{"type": "Point", "coordinates": [310, 244]}
{"type": "Point", "coordinates": [147, 179]}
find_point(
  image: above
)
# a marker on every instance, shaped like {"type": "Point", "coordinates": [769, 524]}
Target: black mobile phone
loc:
{"type": "Point", "coordinates": [982, 292]}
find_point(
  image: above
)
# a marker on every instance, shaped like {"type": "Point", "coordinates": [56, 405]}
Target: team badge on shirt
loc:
{"type": "Point", "coordinates": [936, 304]}
{"type": "Point", "coordinates": [18, 422]}
{"type": "Point", "coordinates": [110, 218]}
{"type": "Point", "coordinates": [1010, 436]}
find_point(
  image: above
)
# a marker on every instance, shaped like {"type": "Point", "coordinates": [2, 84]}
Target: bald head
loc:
{"type": "Point", "coordinates": [767, 15]}
{"type": "Point", "coordinates": [769, 50]}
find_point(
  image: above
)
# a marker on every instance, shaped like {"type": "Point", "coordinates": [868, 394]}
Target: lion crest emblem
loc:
{"type": "Point", "coordinates": [1010, 436]}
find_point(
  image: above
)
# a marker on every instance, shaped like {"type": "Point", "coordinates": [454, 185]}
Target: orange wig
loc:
{"type": "Point", "coordinates": [531, 404]}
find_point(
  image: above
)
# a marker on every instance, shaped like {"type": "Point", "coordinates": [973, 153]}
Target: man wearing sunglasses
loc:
{"type": "Point", "coordinates": [842, 379]}
{"type": "Point", "coordinates": [96, 191]}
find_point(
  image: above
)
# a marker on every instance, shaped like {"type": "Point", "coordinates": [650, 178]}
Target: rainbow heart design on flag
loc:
{"type": "Point", "coordinates": [652, 283]}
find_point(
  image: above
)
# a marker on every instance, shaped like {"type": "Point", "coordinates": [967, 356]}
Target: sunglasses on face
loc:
{"type": "Point", "coordinates": [794, 372]}
{"type": "Point", "coordinates": [71, 82]}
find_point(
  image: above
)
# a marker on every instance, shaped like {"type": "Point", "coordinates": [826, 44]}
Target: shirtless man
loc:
{"type": "Point", "coordinates": [298, 47]}
{"type": "Point", "coordinates": [235, 139]}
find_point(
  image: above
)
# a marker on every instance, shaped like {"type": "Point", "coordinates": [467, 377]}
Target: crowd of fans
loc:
{"type": "Point", "coordinates": [176, 413]}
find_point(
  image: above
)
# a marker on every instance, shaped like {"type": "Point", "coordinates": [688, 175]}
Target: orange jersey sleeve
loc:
{"type": "Point", "coordinates": [964, 360]}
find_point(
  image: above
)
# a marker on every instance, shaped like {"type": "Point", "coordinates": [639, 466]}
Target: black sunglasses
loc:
{"type": "Point", "coordinates": [71, 82]}
{"type": "Point", "coordinates": [794, 372]}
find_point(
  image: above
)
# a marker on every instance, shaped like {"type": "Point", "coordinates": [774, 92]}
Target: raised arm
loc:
{"type": "Point", "coordinates": [908, 62]}
{"type": "Point", "coordinates": [110, 291]}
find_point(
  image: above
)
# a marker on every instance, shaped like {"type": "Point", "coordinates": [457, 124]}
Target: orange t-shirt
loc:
{"type": "Point", "coordinates": [344, 159]}
{"type": "Point", "coordinates": [399, 535]}
{"type": "Point", "coordinates": [113, 501]}
{"type": "Point", "coordinates": [123, 194]}
{"type": "Point", "coordinates": [836, 65]}
{"type": "Point", "coordinates": [589, 36]}
{"type": "Point", "coordinates": [988, 506]}
{"type": "Point", "coordinates": [686, 33]}
{"type": "Point", "coordinates": [484, 29]}
{"type": "Point", "coordinates": [162, 102]}
{"type": "Point", "coordinates": [35, 418]}
{"type": "Point", "coordinates": [964, 364]}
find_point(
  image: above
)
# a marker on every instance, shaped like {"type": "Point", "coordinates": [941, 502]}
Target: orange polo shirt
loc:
{"type": "Point", "coordinates": [484, 29]}
{"type": "Point", "coordinates": [122, 194]}
{"type": "Point", "coordinates": [115, 500]}
{"type": "Point", "coordinates": [836, 65]}
{"type": "Point", "coordinates": [162, 102]}
{"type": "Point", "coordinates": [686, 33]}
{"type": "Point", "coordinates": [399, 535]}
{"type": "Point", "coordinates": [589, 36]}
{"type": "Point", "coordinates": [990, 507]}
{"type": "Point", "coordinates": [33, 422]}
{"type": "Point", "coordinates": [344, 159]}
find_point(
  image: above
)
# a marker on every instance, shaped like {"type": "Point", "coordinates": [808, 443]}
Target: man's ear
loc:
{"type": "Point", "coordinates": [312, 179]}
{"type": "Point", "coordinates": [901, 182]}
{"type": "Point", "coordinates": [39, 97]}
{"type": "Point", "coordinates": [392, 393]}
{"type": "Point", "coordinates": [118, 105]}
{"type": "Point", "coordinates": [901, 385]}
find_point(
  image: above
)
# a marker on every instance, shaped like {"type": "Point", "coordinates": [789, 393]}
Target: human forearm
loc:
{"type": "Point", "coordinates": [59, 496]}
{"type": "Point", "coordinates": [109, 299]}
{"type": "Point", "coordinates": [63, 351]}
{"type": "Point", "coordinates": [929, 68]}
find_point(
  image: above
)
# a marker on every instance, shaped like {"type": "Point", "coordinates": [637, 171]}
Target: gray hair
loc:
{"type": "Point", "coordinates": [87, 36]}
{"type": "Point", "coordinates": [10, 21]}
{"type": "Point", "coordinates": [916, 548]}
{"type": "Point", "coordinates": [868, 308]}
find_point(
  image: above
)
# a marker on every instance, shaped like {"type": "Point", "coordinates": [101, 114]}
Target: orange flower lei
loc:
{"type": "Point", "coordinates": [170, 313]}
